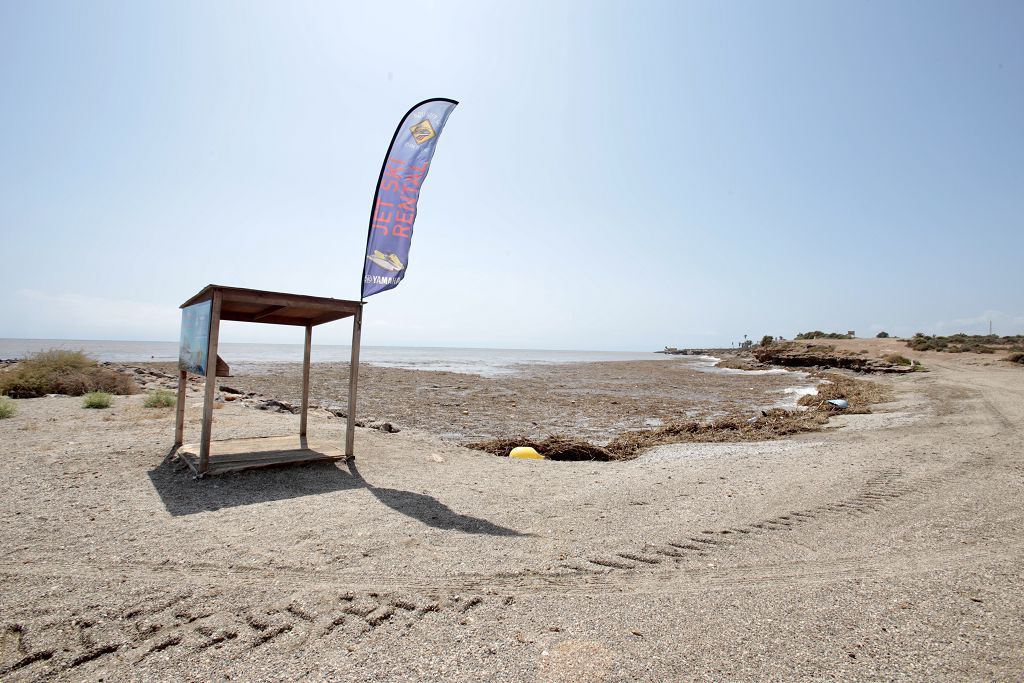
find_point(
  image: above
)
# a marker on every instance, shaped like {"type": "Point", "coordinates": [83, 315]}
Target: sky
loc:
{"type": "Point", "coordinates": [617, 176]}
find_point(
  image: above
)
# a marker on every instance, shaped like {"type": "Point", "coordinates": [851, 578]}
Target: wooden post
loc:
{"type": "Point", "coordinates": [353, 379]}
{"type": "Point", "coordinates": [211, 382]}
{"type": "Point", "coordinates": [179, 411]}
{"type": "Point", "coordinates": [305, 380]}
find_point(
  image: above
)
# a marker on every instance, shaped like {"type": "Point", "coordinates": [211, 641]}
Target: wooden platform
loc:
{"type": "Point", "coordinates": [232, 455]}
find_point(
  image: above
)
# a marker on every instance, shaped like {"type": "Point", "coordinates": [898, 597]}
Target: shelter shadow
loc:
{"type": "Point", "coordinates": [183, 495]}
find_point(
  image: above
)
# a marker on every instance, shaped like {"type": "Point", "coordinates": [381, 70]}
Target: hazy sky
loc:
{"type": "Point", "coordinates": [617, 175]}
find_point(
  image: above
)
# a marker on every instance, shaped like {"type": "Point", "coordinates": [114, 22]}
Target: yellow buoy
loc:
{"type": "Point", "coordinates": [525, 453]}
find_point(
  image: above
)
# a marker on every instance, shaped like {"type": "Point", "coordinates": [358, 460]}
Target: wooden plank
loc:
{"type": "Point", "coordinates": [267, 312]}
{"type": "Point", "coordinates": [353, 380]}
{"type": "Point", "coordinates": [271, 320]}
{"type": "Point", "coordinates": [328, 318]}
{"type": "Point", "coordinates": [211, 382]}
{"type": "Point", "coordinates": [262, 444]}
{"type": "Point", "coordinates": [239, 454]}
{"type": "Point", "coordinates": [232, 295]}
{"type": "Point", "coordinates": [282, 456]}
{"type": "Point", "coordinates": [224, 469]}
{"type": "Point", "coordinates": [305, 379]}
{"type": "Point", "coordinates": [179, 410]}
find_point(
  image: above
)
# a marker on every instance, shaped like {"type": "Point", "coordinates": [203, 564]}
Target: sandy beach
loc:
{"type": "Point", "coordinates": [886, 547]}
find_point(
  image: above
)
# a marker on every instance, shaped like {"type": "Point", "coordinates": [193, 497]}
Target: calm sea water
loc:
{"type": "Point", "coordinates": [486, 362]}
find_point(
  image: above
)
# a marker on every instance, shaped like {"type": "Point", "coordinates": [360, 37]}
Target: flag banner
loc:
{"type": "Point", "coordinates": [398, 191]}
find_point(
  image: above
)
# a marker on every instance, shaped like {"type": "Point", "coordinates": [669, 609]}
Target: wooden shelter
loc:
{"type": "Point", "coordinates": [272, 308]}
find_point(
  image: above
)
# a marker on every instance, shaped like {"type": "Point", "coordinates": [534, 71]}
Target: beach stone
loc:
{"type": "Point", "coordinates": [281, 406]}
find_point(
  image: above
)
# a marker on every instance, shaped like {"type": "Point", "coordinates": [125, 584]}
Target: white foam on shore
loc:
{"type": "Point", "coordinates": [792, 395]}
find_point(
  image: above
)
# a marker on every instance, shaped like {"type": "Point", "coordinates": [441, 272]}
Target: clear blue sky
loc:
{"type": "Point", "coordinates": [617, 175]}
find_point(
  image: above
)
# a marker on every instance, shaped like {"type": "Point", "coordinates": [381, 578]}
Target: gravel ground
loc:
{"type": "Point", "coordinates": [886, 548]}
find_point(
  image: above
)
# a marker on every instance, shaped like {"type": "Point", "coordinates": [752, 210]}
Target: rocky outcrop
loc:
{"type": "Point", "coordinates": [825, 357]}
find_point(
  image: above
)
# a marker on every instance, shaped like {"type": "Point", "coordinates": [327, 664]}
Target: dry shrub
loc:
{"type": "Point", "coordinates": [896, 359]}
{"type": "Point", "coordinates": [62, 372]}
{"type": "Point", "coordinates": [1016, 357]}
{"type": "Point", "coordinates": [7, 408]}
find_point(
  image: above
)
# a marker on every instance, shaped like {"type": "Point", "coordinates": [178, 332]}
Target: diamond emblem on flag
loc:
{"type": "Point", "coordinates": [422, 131]}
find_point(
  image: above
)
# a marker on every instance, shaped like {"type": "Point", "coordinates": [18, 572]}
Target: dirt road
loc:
{"type": "Point", "coordinates": [889, 548]}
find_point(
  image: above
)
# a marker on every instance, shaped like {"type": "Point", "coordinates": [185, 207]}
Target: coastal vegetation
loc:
{"type": "Point", "coordinates": [818, 334]}
{"type": "Point", "coordinates": [7, 408]}
{"type": "Point", "coordinates": [161, 398]}
{"type": "Point", "coordinates": [964, 343]}
{"type": "Point", "coordinates": [96, 399]}
{"type": "Point", "coordinates": [62, 372]}
{"type": "Point", "coordinates": [882, 335]}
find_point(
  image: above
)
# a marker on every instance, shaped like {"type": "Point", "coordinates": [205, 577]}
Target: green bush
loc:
{"type": "Point", "coordinates": [96, 399]}
{"type": "Point", "coordinates": [767, 340]}
{"type": "Point", "coordinates": [7, 408]}
{"type": "Point", "coordinates": [964, 343]}
{"type": "Point", "coordinates": [818, 334]}
{"type": "Point", "coordinates": [882, 335]}
{"type": "Point", "coordinates": [161, 398]}
{"type": "Point", "coordinates": [62, 372]}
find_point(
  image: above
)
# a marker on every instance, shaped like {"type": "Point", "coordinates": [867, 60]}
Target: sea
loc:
{"type": "Point", "coordinates": [246, 356]}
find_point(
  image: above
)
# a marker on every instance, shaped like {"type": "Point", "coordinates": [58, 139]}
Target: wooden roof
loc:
{"type": "Point", "coordinates": [275, 308]}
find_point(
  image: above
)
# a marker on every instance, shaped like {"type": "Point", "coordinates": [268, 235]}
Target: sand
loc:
{"type": "Point", "coordinates": [888, 547]}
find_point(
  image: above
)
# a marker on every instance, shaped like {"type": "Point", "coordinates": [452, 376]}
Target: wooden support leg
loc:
{"type": "Point", "coordinates": [211, 384]}
{"type": "Point", "coordinates": [353, 380]}
{"type": "Point", "coordinates": [179, 411]}
{"type": "Point", "coordinates": [305, 380]}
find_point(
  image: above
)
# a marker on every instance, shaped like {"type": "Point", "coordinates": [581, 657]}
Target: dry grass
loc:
{"type": "Point", "coordinates": [62, 372]}
{"type": "Point", "coordinates": [896, 359]}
